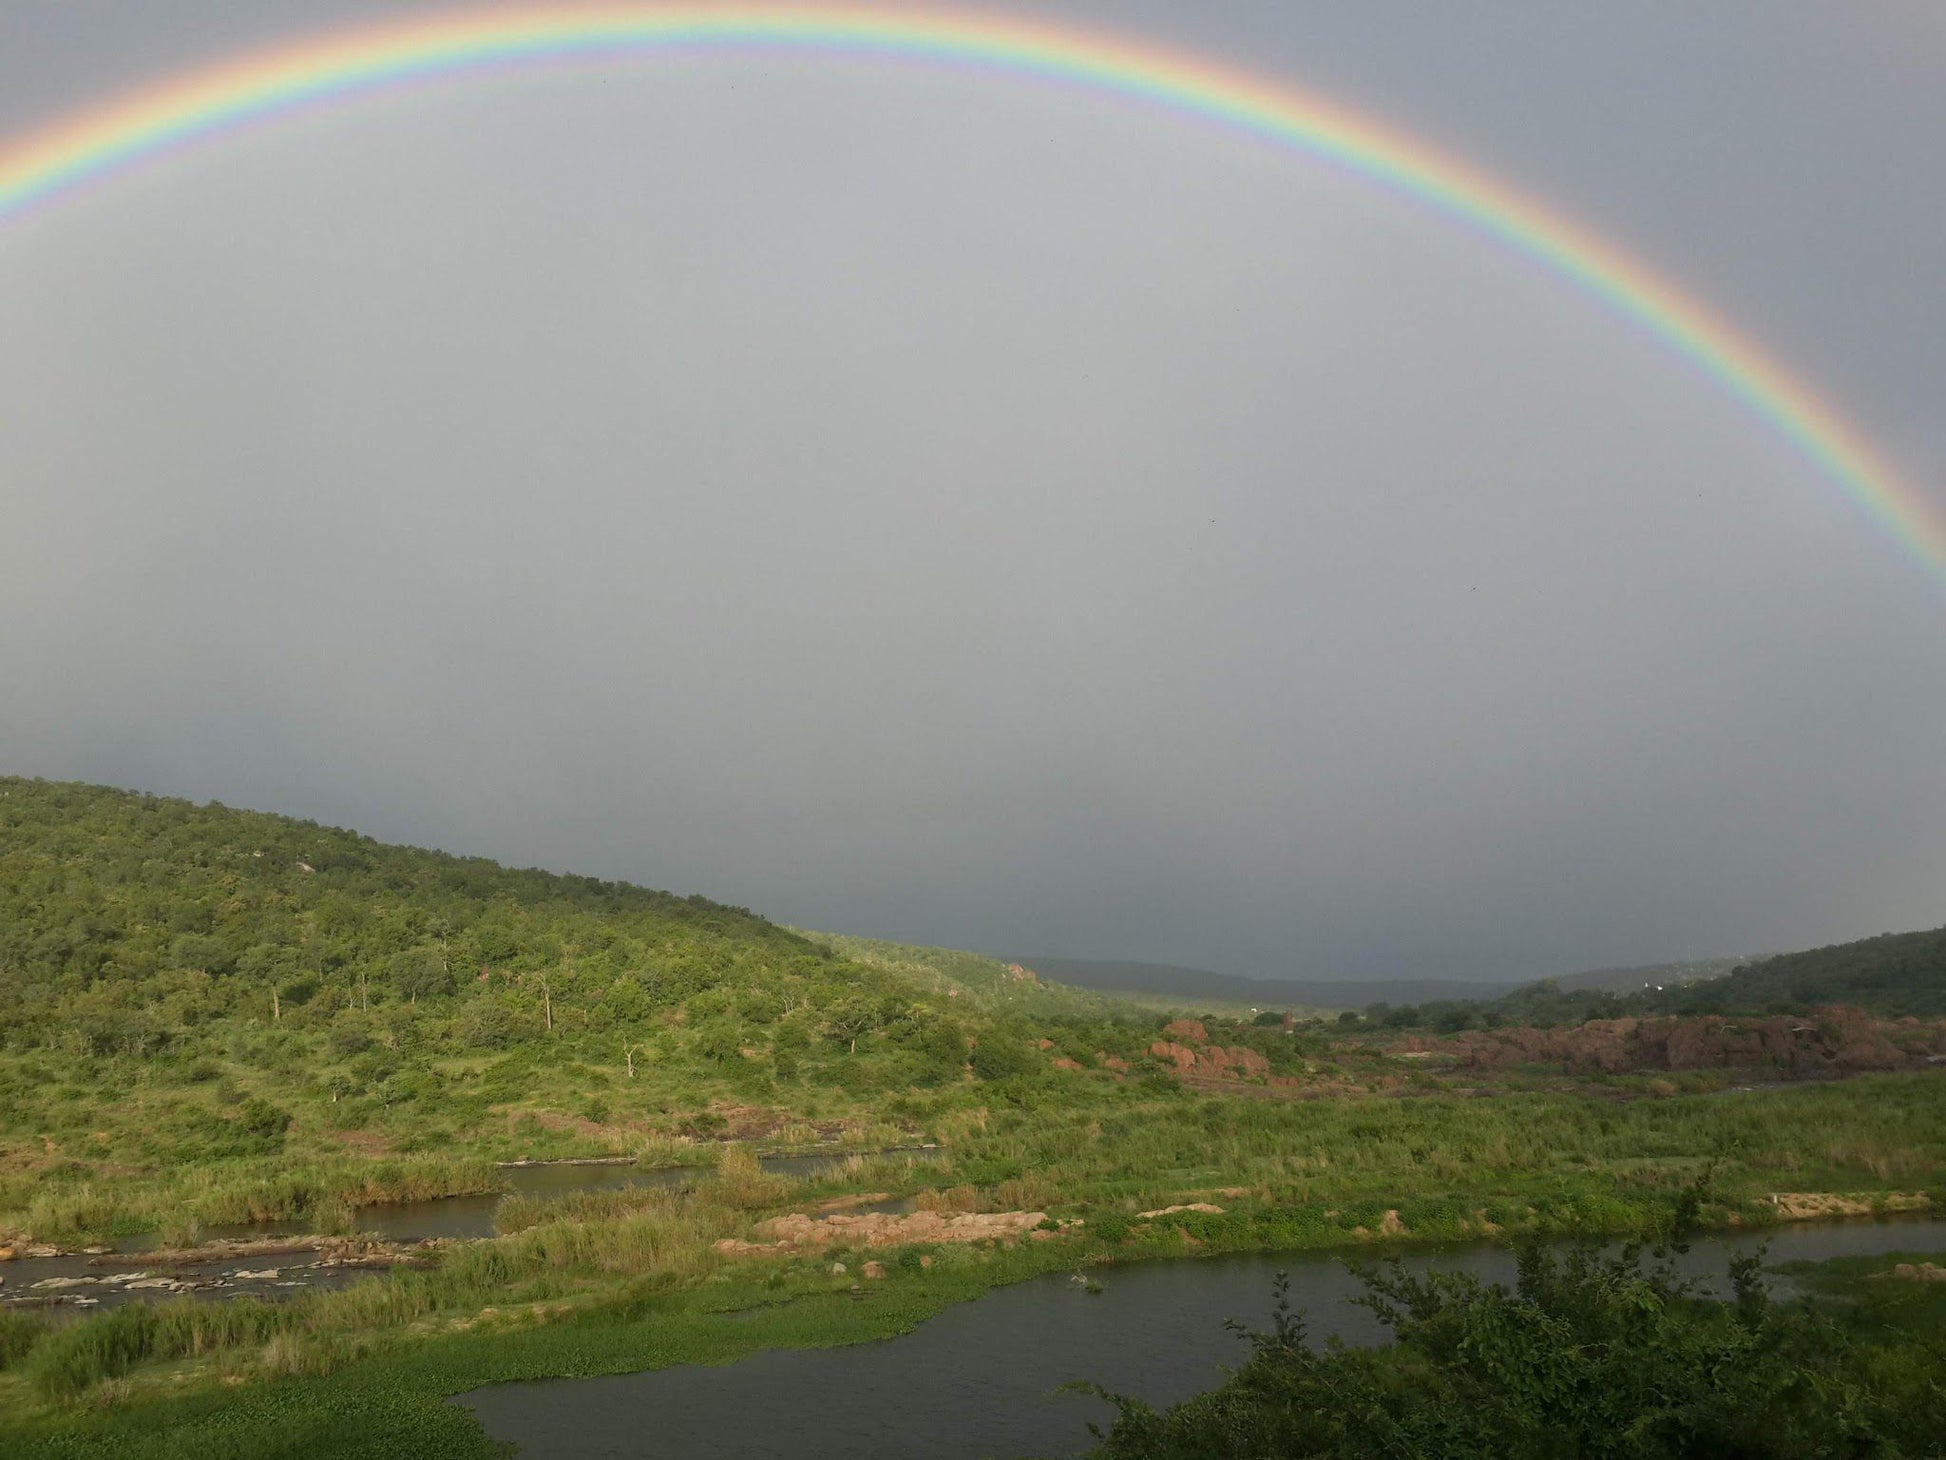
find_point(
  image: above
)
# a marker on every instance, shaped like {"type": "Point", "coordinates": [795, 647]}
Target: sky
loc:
{"type": "Point", "coordinates": [966, 509]}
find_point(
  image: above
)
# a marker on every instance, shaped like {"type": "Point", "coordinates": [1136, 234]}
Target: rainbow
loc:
{"type": "Point", "coordinates": [254, 88]}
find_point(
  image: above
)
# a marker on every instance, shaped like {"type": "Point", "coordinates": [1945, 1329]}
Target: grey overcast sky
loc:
{"type": "Point", "coordinates": [970, 510]}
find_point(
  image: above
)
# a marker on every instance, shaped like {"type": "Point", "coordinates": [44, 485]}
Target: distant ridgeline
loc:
{"type": "Point", "coordinates": [1892, 975]}
{"type": "Point", "coordinates": [1199, 985]}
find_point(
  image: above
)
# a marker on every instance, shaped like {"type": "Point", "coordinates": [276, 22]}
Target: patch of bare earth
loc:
{"type": "Point", "coordinates": [800, 1230]}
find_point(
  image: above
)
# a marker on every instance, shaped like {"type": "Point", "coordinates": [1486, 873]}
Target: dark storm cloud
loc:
{"type": "Point", "coordinates": [970, 511]}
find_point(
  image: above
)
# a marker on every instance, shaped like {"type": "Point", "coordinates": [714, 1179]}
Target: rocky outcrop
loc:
{"type": "Point", "coordinates": [1191, 1029]}
{"type": "Point", "coordinates": [1213, 1062]}
{"type": "Point", "coordinates": [1181, 1055]}
{"type": "Point", "coordinates": [1831, 1041]}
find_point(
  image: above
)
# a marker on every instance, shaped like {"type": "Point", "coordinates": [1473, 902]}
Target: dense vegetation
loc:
{"type": "Point", "coordinates": [186, 989]}
{"type": "Point", "coordinates": [1586, 1356]}
{"type": "Point", "coordinates": [1894, 975]}
{"type": "Point", "coordinates": [209, 1015]}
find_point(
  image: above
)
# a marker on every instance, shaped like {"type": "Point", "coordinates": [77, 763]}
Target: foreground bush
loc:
{"type": "Point", "coordinates": [1586, 1357]}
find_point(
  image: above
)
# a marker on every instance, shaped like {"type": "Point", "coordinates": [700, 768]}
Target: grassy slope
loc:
{"type": "Point", "coordinates": [211, 1015]}
{"type": "Point", "coordinates": [984, 981]}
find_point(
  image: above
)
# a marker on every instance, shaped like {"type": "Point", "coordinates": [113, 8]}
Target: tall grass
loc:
{"type": "Point", "coordinates": [69, 1360]}
{"type": "Point", "coordinates": [180, 1202]}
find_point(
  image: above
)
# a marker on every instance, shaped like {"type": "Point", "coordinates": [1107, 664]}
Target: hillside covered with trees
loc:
{"type": "Point", "coordinates": [183, 982]}
{"type": "Point", "coordinates": [1892, 976]}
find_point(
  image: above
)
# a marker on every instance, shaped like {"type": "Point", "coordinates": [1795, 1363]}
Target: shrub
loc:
{"type": "Point", "coordinates": [1586, 1356]}
{"type": "Point", "coordinates": [18, 1333]}
{"type": "Point", "coordinates": [1110, 1226]}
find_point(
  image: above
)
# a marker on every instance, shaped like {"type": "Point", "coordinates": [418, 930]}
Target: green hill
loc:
{"type": "Point", "coordinates": [1893, 974]}
{"type": "Point", "coordinates": [1641, 977]}
{"type": "Point", "coordinates": [184, 983]}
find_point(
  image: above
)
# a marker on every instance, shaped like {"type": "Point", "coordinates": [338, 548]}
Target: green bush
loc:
{"type": "Point", "coordinates": [1586, 1356]}
{"type": "Point", "coordinates": [1110, 1226]}
{"type": "Point", "coordinates": [18, 1333]}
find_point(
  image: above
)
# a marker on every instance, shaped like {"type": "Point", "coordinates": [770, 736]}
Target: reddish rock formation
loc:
{"type": "Point", "coordinates": [1064, 1063]}
{"type": "Point", "coordinates": [1184, 1057]}
{"type": "Point", "coordinates": [1832, 1041]}
{"type": "Point", "coordinates": [1216, 1063]}
{"type": "Point", "coordinates": [1187, 1029]}
{"type": "Point", "coordinates": [1239, 1060]}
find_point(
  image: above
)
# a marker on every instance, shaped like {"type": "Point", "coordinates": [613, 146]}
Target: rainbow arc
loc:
{"type": "Point", "coordinates": [41, 168]}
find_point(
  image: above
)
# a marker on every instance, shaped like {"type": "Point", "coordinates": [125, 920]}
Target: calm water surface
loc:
{"type": "Point", "coordinates": [980, 1379]}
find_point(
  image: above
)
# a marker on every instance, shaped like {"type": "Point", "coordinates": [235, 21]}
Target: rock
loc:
{"type": "Point", "coordinates": [266, 1275]}
{"type": "Point", "coordinates": [873, 1271]}
{"type": "Point", "coordinates": [1193, 1206]}
{"type": "Point", "coordinates": [925, 1259]}
{"type": "Point", "coordinates": [1182, 1029]}
{"type": "Point", "coordinates": [1183, 1056]}
{"type": "Point", "coordinates": [838, 1269]}
{"type": "Point", "coordinates": [1236, 1063]}
{"type": "Point", "coordinates": [1917, 1272]}
{"type": "Point", "coordinates": [1064, 1063]}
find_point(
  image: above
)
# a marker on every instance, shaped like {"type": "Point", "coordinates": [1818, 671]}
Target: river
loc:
{"type": "Point", "coordinates": [979, 1380]}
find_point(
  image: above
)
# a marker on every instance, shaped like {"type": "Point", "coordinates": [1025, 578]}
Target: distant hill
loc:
{"type": "Point", "coordinates": [1655, 975]}
{"type": "Point", "coordinates": [1200, 985]}
{"type": "Point", "coordinates": [1893, 974]}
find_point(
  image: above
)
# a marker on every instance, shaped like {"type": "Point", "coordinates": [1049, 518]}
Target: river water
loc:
{"type": "Point", "coordinates": [980, 1380]}
{"type": "Point", "coordinates": [85, 1281]}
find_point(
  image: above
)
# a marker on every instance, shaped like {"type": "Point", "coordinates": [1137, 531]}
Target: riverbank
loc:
{"type": "Point", "coordinates": [608, 1280]}
{"type": "Point", "coordinates": [383, 1391]}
